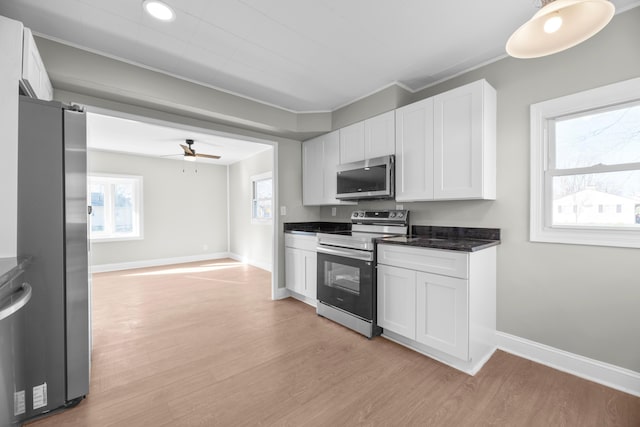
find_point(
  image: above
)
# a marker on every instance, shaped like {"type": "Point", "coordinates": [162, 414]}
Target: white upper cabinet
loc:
{"type": "Point", "coordinates": [320, 158]}
{"type": "Point", "coordinates": [374, 137]}
{"type": "Point", "coordinates": [330, 160]}
{"type": "Point", "coordinates": [446, 146]}
{"type": "Point", "coordinates": [35, 80]}
{"type": "Point", "coordinates": [380, 135]}
{"type": "Point", "coordinates": [464, 148]}
{"type": "Point", "coordinates": [312, 172]}
{"type": "Point", "coordinates": [352, 143]}
{"type": "Point", "coordinates": [414, 151]}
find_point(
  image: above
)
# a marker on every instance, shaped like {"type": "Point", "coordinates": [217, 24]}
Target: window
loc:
{"type": "Point", "coordinates": [116, 207]}
{"type": "Point", "coordinates": [261, 198]}
{"type": "Point", "coordinates": [585, 153]}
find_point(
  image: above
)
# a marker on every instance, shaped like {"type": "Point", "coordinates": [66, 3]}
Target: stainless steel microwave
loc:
{"type": "Point", "coordinates": [368, 179]}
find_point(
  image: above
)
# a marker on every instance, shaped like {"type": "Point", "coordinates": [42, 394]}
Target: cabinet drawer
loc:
{"type": "Point", "coordinates": [298, 241]}
{"type": "Point", "coordinates": [448, 263]}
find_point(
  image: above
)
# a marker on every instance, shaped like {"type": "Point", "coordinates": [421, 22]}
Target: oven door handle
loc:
{"type": "Point", "coordinates": [353, 254]}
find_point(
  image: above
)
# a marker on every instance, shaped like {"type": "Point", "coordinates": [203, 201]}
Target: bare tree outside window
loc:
{"type": "Point", "coordinates": [585, 167]}
{"type": "Point", "coordinates": [595, 162]}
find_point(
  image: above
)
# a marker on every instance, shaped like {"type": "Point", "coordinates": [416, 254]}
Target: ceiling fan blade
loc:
{"type": "Point", "coordinates": [187, 150]}
{"type": "Point", "coordinates": [208, 156]}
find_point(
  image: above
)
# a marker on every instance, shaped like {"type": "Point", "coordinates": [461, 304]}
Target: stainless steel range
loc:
{"type": "Point", "coordinates": [346, 268]}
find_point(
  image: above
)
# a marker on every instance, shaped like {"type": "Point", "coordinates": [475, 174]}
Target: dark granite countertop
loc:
{"type": "Point", "coordinates": [464, 239]}
{"type": "Point", "coordinates": [313, 227]}
{"type": "Point", "coordinates": [12, 267]}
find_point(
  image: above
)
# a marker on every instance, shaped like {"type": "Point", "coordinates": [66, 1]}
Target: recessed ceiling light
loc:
{"type": "Point", "coordinates": [159, 10]}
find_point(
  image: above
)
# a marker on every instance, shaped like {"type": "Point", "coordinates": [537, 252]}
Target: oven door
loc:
{"type": "Point", "coordinates": [346, 280]}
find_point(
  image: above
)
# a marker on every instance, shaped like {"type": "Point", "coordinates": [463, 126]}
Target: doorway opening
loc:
{"type": "Point", "coordinates": [195, 200]}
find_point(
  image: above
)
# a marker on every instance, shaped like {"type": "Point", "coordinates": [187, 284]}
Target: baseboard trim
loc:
{"type": "Point", "coordinates": [282, 293]}
{"type": "Point", "coordinates": [309, 301]}
{"type": "Point", "coordinates": [245, 260]}
{"type": "Point", "coordinates": [103, 268]}
{"type": "Point", "coordinates": [603, 373]}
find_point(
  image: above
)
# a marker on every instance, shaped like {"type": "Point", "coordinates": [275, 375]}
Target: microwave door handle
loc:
{"type": "Point", "coordinates": [391, 183]}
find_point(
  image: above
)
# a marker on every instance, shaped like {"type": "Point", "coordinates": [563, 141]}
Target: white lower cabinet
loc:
{"type": "Point", "coordinates": [438, 302]}
{"type": "Point", "coordinates": [442, 318]}
{"type": "Point", "coordinates": [300, 261]}
{"type": "Point", "coordinates": [397, 300]}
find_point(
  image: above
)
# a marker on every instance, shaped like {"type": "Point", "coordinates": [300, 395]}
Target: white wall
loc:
{"type": "Point", "coordinates": [10, 70]}
{"type": "Point", "coordinates": [185, 213]}
{"type": "Point", "coordinates": [581, 299]}
{"type": "Point", "coordinates": [250, 242]}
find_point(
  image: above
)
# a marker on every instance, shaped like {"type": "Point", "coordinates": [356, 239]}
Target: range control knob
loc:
{"type": "Point", "coordinates": [392, 214]}
{"type": "Point", "coordinates": [400, 214]}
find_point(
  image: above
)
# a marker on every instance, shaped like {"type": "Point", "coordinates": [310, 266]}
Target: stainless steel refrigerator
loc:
{"type": "Point", "coordinates": [52, 230]}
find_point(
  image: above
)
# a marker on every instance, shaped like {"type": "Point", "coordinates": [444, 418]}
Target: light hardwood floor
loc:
{"type": "Point", "coordinates": [202, 344]}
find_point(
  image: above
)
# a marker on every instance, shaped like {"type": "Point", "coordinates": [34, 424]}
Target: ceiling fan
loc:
{"type": "Point", "coordinates": [190, 152]}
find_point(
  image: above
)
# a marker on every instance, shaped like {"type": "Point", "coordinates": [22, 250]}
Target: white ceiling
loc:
{"type": "Point", "coordinates": [129, 136]}
{"type": "Point", "coordinates": [301, 55]}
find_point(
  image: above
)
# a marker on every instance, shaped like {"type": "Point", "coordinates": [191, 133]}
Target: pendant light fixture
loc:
{"type": "Point", "coordinates": [559, 25]}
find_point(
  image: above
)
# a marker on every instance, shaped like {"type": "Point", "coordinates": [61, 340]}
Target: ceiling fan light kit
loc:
{"type": "Point", "coordinates": [559, 25]}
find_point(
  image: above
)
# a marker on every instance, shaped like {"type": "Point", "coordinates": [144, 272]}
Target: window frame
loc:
{"type": "Point", "coordinates": [112, 179]}
{"type": "Point", "coordinates": [541, 196]}
{"type": "Point", "coordinates": [254, 179]}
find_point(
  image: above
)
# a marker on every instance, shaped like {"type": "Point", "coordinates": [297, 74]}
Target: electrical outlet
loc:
{"type": "Point", "coordinates": [333, 211]}
{"type": "Point", "coordinates": [283, 210]}
{"type": "Point", "coordinates": [399, 207]}
{"type": "Point", "coordinates": [205, 247]}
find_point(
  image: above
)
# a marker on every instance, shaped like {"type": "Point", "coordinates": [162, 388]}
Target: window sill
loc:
{"type": "Point", "coordinates": [114, 239]}
{"type": "Point", "coordinates": [261, 221]}
{"type": "Point", "coordinates": [610, 238]}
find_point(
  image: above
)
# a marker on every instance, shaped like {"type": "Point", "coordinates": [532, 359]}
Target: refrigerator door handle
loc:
{"type": "Point", "coordinates": [14, 305]}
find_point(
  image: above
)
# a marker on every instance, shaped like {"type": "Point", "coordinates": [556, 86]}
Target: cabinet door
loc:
{"type": "Point", "coordinates": [442, 314]}
{"type": "Point", "coordinates": [320, 159]}
{"type": "Point", "coordinates": [459, 142]}
{"type": "Point", "coordinates": [310, 274]}
{"type": "Point", "coordinates": [294, 265]}
{"type": "Point", "coordinates": [414, 151]}
{"type": "Point", "coordinates": [34, 75]}
{"type": "Point", "coordinates": [397, 300]}
{"type": "Point", "coordinates": [312, 172]}
{"type": "Point", "coordinates": [380, 135]}
{"type": "Point", "coordinates": [330, 161]}
{"type": "Point", "coordinates": [352, 143]}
